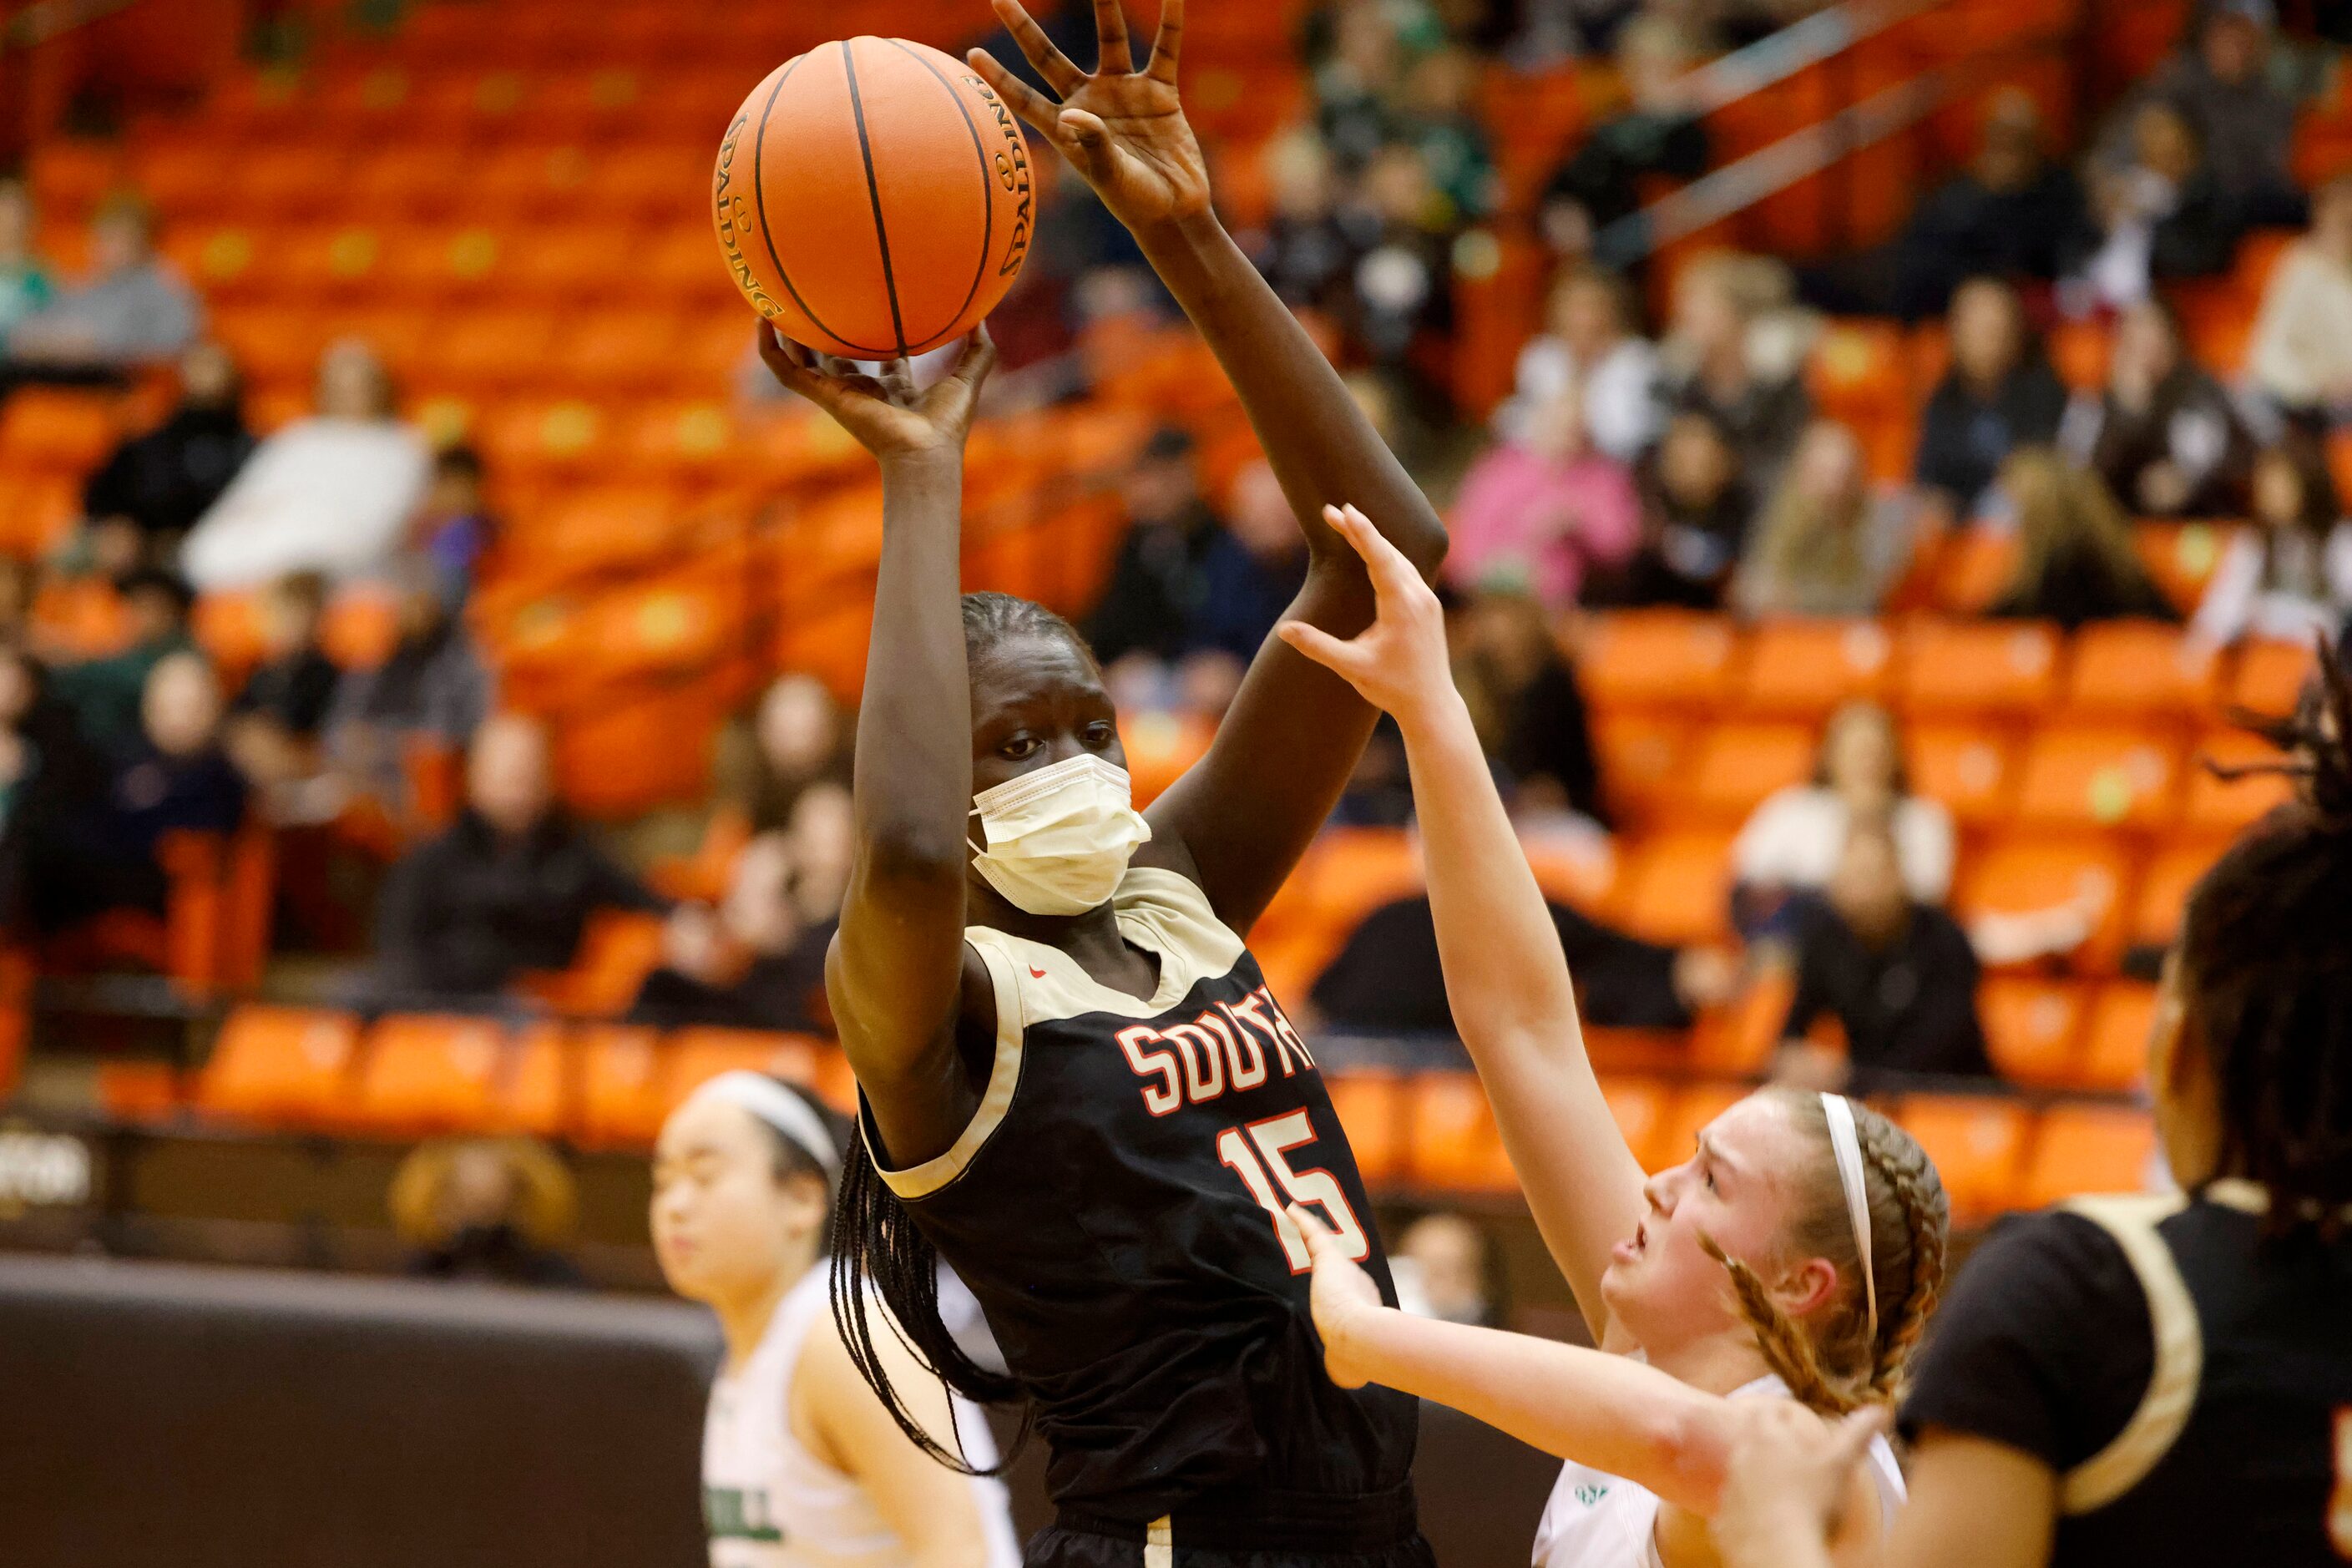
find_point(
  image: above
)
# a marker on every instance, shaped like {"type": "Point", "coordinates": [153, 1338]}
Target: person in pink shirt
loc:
{"type": "Point", "coordinates": [1544, 508]}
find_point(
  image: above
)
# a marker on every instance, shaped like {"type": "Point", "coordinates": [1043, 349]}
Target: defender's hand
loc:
{"type": "Point", "coordinates": [1122, 129]}
{"type": "Point", "coordinates": [1343, 1297]}
{"type": "Point", "coordinates": [1399, 662]}
{"type": "Point", "coordinates": [887, 414]}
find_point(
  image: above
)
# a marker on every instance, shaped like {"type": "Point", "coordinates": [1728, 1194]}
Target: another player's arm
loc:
{"type": "Point", "coordinates": [931, 1508]}
{"type": "Point", "coordinates": [896, 973]}
{"type": "Point", "coordinates": [1238, 821]}
{"type": "Point", "coordinates": [1505, 978]}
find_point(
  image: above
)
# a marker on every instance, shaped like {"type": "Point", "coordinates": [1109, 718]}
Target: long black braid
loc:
{"type": "Point", "coordinates": [876, 1247]}
{"type": "Point", "coordinates": [2266, 955]}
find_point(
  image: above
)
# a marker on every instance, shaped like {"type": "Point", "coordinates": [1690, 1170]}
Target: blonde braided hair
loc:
{"type": "Point", "coordinates": [1832, 1364]}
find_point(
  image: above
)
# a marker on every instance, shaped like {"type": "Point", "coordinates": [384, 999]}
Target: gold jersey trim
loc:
{"type": "Point", "coordinates": [2179, 1368]}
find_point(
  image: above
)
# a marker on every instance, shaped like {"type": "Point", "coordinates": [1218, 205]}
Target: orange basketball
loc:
{"type": "Point", "coordinates": [873, 198]}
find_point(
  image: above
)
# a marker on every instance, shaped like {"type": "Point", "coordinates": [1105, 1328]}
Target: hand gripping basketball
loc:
{"type": "Point", "coordinates": [1122, 129]}
{"type": "Point", "coordinates": [887, 414]}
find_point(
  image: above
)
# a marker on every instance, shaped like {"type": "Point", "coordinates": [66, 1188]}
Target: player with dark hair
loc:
{"type": "Point", "coordinates": [801, 1466]}
{"type": "Point", "coordinates": [2139, 1382]}
{"type": "Point", "coordinates": [1078, 1087]}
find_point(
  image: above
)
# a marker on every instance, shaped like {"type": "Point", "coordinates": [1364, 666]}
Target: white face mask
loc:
{"type": "Point", "coordinates": [1059, 838]}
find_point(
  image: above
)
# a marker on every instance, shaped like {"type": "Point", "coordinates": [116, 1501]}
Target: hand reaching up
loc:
{"type": "Point", "coordinates": [1399, 661]}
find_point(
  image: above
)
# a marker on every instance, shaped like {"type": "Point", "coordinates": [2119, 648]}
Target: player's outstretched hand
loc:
{"type": "Point", "coordinates": [1123, 129]}
{"type": "Point", "coordinates": [1343, 1297]}
{"type": "Point", "coordinates": [1399, 662]}
{"type": "Point", "coordinates": [1789, 1474]}
{"type": "Point", "coordinates": [888, 414]}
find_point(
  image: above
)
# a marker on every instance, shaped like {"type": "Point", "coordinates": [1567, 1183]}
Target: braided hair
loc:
{"type": "Point", "coordinates": [876, 1247]}
{"type": "Point", "coordinates": [1832, 1362]}
{"type": "Point", "coordinates": [2266, 973]}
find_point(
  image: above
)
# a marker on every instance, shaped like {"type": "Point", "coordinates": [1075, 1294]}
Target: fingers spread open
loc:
{"type": "Point", "coordinates": [1170, 40]}
{"type": "Point", "coordinates": [1112, 55]}
{"type": "Point", "coordinates": [1052, 64]}
{"type": "Point", "coordinates": [1032, 106]}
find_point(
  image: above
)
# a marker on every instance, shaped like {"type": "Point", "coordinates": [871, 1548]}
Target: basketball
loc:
{"type": "Point", "coordinates": [873, 198]}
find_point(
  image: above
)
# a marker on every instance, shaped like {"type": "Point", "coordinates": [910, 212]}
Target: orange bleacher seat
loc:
{"type": "Point", "coordinates": [37, 511]}
{"type": "Point", "coordinates": [1672, 660]}
{"type": "Point", "coordinates": [2219, 805]}
{"type": "Point", "coordinates": [623, 1092]}
{"type": "Point", "coordinates": [57, 429]}
{"type": "Point", "coordinates": [700, 1055]}
{"type": "Point", "coordinates": [1982, 667]}
{"type": "Point", "coordinates": [1804, 669]}
{"type": "Point", "coordinates": [1677, 889]}
{"type": "Point", "coordinates": [2271, 675]}
{"type": "Point", "coordinates": [2098, 778]}
{"type": "Point", "coordinates": [422, 1073]}
{"type": "Point", "coordinates": [291, 179]}
{"type": "Point", "coordinates": [2034, 1028]}
{"type": "Point", "coordinates": [1640, 758]}
{"type": "Point", "coordinates": [131, 1091]}
{"type": "Point", "coordinates": [525, 180]}
{"type": "Point", "coordinates": [2136, 668]}
{"type": "Point", "coordinates": [536, 1093]}
{"type": "Point", "coordinates": [2164, 890]}
{"type": "Point", "coordinates": [1640, 1106]}
{"type": "Point", "coordinates": [2181, 557]}
{"type": "Point", "coordinates": [405, 180]}
{"type": "Point", "coordinates": [2078, 351]}
{"type": "Point", "coordinates": [1369, 1105]}
{"type": "Point", "coordinates": [1735, 766]}
{"type": "Point", "coordinates": [361, 627]}
{"type": "Point", "coordinates": [2029, 873]}
{"type": "Point", "coordinates": [2088, 1149]}
{"type": "Point", "coordinates": [1161, 746]}
{"type": "Point", "coordinates": [489, 351]}
{"type": "Point", "coordinates": [280, 1065]}
{"type": "Point", "coordinates": [1455, 1146]}
{"type": "Point", "coordinates": [622, 351]}
{"type": "Point", "coordinates": [618, 948]}
{"type": "Point", "coordinates": [1741, 1037]}
{"type": "Point", "coordinates": [1961, 768]}
{"type": "Point", "coordinates": [542, 437]}
{"type": "Point", "coordinates": [1972, 570]}
{"type": "Point", "coordinates": [1860, 369]}
{"type": "Point", "coordinates": [2115, 1050]}
{"type": "Point", "coordinates": [1978, 1143]}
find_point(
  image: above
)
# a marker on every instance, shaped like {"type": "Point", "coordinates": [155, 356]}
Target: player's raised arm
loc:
{"type": "Point", "coordinates": [1505, 978]}
{"type": "Point", "coordinates": [896, 972]}
{"type": "Point", "coordinates": [1286, 749]}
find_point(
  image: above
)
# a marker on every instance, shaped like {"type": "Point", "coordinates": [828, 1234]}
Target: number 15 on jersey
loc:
{"type": "Point", "coordinates": [1258, 1152]}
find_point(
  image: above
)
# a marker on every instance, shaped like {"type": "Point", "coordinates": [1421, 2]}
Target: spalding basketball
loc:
{"type": "Point", "coordinates": [873, 198]}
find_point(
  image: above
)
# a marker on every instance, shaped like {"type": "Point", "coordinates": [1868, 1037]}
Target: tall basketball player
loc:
{"type": "Point", "coordinates": [2140, 1382]}
{"type": "Point", "coordinates": [801, 1465]}
{"type": "Point", "coordinates": [1797, 1253]}
{"type": "Point", "coordinates": [1077, 1087]}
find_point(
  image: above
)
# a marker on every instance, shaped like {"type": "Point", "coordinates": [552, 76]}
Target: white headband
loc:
{"type": "Point", "coordinates": [1847, 1144]}
{"type": "Point", "coordinates": [780, 1108]}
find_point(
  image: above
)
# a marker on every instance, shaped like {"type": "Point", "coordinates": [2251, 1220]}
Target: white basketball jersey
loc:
{"type": "Point", "coordinates": [768, 1502]}
{"type": "Point", "coordinates": [1598, 1520]}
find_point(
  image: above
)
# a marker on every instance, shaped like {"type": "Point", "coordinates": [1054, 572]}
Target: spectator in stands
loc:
{"type": "Point", "coordinates": [107, 692]}
{"type": "Point", "coordinates": [797, 739]}
{"type": "Point", "coordinates": [2005, 215]}
{"type": "Point", "coordinates": [1253, 570]}
{"type": "Point", "coordinates": [1589, 346]}
{"type": "Point", "coordinates": [331, 493]}
{"type": "Point", "coordinates": [1447, 1269]}
{"type": "Point", "coordinates": [277, 717]}
{"type": "Point", "coordinates": [174, 776]}
{"type": "Point", "coordinates": [1524, 699]}
{"type": "Point", "coordinates": [2301, 355]}
{"type": "Point", "coordinates": [2000, 395]}
{"type": "Point", "coordinates": [164, 480]}
{"type": "Point", "coordinates": [1825, 544]}
{"type": "Point", "coordinates": [507, 889]}
{"type": "Point", "coordinates": [453, 527]}
{"type": "Point", "coordinates": [2076, 562]}
{"type": "Point", "coordinates": [745, 965]}
{"type": "Point", "coordinates": [2164, 434]}
{"type": "Point", "coordinates": [433, 689]}
{"type": "Point", "coordinates": [1401, 289]}
{"type": "Point", "coordinates": [1544, 510]}
{"type": "Point", "coordinates": [2221, 84]}
{"type": "Point", "coordinates": [493, 1210]}
{"type": "Point", "coordinates": [25, 285]}
{"type": "Point", "coordinates": [1789, 846]}
{"type": "Point", "coordinates": [1656, 135]}
{"type": "Point", "coordinates": [2290, 576]}
{"type": "Point", "coordinates": [53, 793]}
{"type": "Point", "coordinates": [2160, 216]}
{"type": "Point", "coordinates": [1441, 122]}
{"type": "Point", "coordinates": [1304, 251]}
{"type": "Point", "coordinates": [132, 309]}
{"type": "Point", "coordinates": [1156, 580]}
{"type": "Point", "coordinates": [1897, 971]}
{"type": "Point", "coordinates": [1358, 83]}
{"type": "Point", "coordinates": [1738, 352]}
{"type": "Point", "coordinates": [1696, 509]}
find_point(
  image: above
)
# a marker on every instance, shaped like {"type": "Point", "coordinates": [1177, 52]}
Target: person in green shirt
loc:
{"type": "Point", "coordinates": [25, 284]}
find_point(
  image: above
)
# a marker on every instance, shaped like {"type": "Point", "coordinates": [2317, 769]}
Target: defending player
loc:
{"type": "Point", "coordinates": [1799, 1251]}
{"type": "Point", "coordinates": [2150, 1381]}
{"type": "Point", "coordinates": [801, 1466]}
{"type": "Point", "coordinates": [1077, 1084]}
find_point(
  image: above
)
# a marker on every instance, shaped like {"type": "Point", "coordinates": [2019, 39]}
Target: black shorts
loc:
{"type": "Point", "coordinates": [1376, 1530]}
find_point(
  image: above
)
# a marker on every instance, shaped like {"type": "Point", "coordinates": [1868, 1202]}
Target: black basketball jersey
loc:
{"type": "Point", "coordinates": [2195, 1388]}
{"type": "Point", "coordinates": [1114, 1206]}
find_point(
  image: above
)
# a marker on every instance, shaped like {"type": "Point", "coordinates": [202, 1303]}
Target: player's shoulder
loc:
{"type": "Point", "coordinates": [2047, 1266]}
